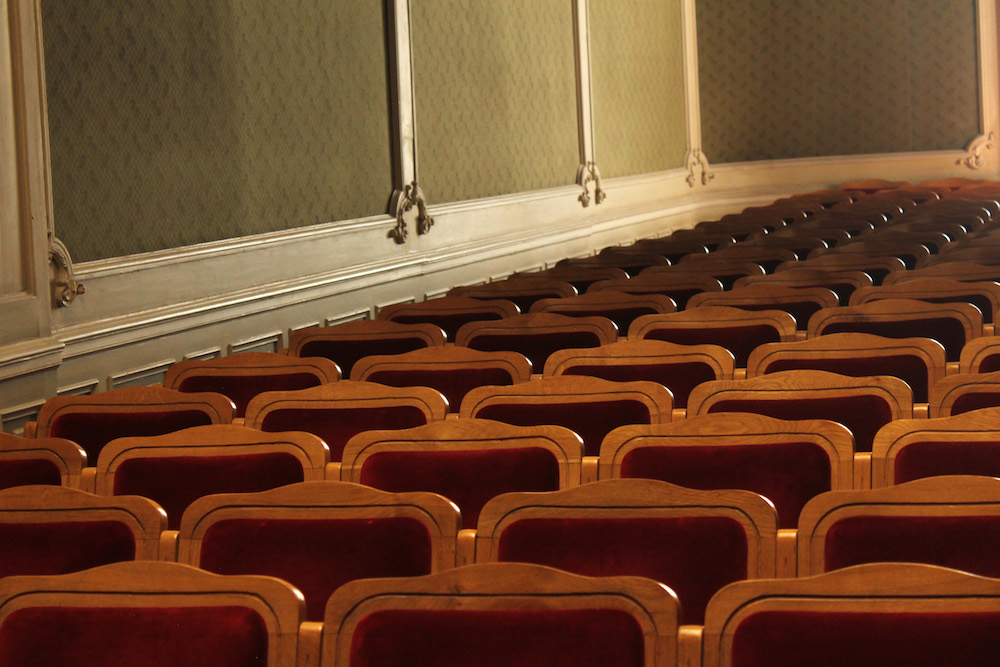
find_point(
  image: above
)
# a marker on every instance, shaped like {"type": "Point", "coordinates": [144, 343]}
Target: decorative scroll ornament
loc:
{"type": "Point", "coordinates": [697, 160]}
{"type": "Point", "coordinates": [64, 287]}
{"type": "Point", "coordinates": [974, 159]}
{"type": "Point", "coordinates": [586, 174]}
{"type": "Point", "coordinates": [403, 202]}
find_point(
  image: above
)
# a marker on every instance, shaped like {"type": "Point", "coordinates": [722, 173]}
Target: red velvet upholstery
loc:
{"type": "Point", "coordinates": [679, 378]}
{"type": "Point", "coordinates": [786, 474]}
{"type": "Point", "coordinates": [454, 383]}
{"type": "Point", "coordinates": [694, 556]}
{"type": "Point", "coordinates": [468, 478]}
{"type": "Point", "coordinates": [241, 388]}
{"type": "Point", "coordinates": [591, 420]}
{"type": "Point", "coordinates": [450, 323]}
{"type": "Point", "coordinates": [741, 341]}
{"type": "Point", "coordinates": [175, 482]}
{"type": "Point", "coordinates": [989, 364]}
{"type": "Point", "coordinates": [318, 556]}
{"type": "Point", "coordinates": [94, 430]}
{"type": "Point", "coordinates": [980, 398]}
{"type": "Point", "coordinates": [929, 459]}
{"type": "Point", "coordinates": [839, 639]}
{"type": "Point", "coordinates": [63, 546]}
{"type": "Point", "coordinates": [946, 330]}
{"type": "Point", "coordinates": [864, 415]}
{"type": "Point", "coordinates": [906, 367]}
{"type": "Point", "coordinates": [132, 636]}
{"type": "Point", "coordinates": [969, 543]}
{"type": "Point", "coordinates": [347, 352]}
{"type": "Point", "coordinates": [336, 427]}
{"type": "Point", "coordinates": [536, 346]}
{"type": "Point", "coordinates": [20, 472]}
{"type": "Point", "coordinates": [980, 301]}
{"type": "Point", "coordinates": [506, 638]}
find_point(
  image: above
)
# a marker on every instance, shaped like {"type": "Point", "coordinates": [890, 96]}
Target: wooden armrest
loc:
{"type": "Point", "coordinates": [168, 545]}
{"type": "Point", "coordinates": [310, 643]}
{"type": "Point", "coordinates": [332, 473]}
{"type": "Point", "coordinates": [466, 552]}
{"type": "Point", "coordinates": [787, 553]}
{"type": "Point", "coordinates": [588, 469]}
{"type": "Point", "coordinates": [689, 649]}
{"type": "Point", "coordinates": [88, 480]}
{"type": "Point", "coordinates": [862, 470]}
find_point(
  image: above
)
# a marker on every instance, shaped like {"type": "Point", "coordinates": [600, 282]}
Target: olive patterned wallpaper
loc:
{"type": "Point", "coordinates": [637, 74]}
{"type": "Point", "coordinates": [800, 78]}
{"type": "Point", "coordinates": [175, 122]}
{"type": "Point", "coordinates": [495, 88]}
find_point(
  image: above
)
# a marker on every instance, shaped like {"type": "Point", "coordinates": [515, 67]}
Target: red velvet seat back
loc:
{"type": "Point", "coordinates": [969, 543]}
{"type": "Point", "coordinates": [504, 638]}
{"type": "Point", "coordinates": [787, 474]}
{"type": "Point", "coordinates": [454, 383]}
{"type": "Point", "coordinates": [469, 478]}
{"type": "Point", "coordinates": [906, 367]}
{"type": "Point", "coordinates": [338, 425]}
{"type": "Point", "coordinates": [591, 420]}
{"type": "Point", "coordinates": [176, 481]}
{"type": "Point", "coordinates": [863, 415]}
{"type": "Point", "coordinates": [347, 352]}
{"type": "Point", "coordinates": [536, 346]}
{"type": "Point", "coordinates": [930, 459]}
{"type": "Point", "coordinates": [982, 397]}
{"type": "Point", "coordinates": [223, 636]}
{"type": "Point", "coordinates": [242, 388]}
{"type": "Point", "coordinates": [20, 472]}
{"type": "Point", "coordinates": [838, 639]}
{"type": "Point", "coordinates": [988, 364]}
{"type": "Point", "coordinates": [62, 546]}
{"type": "Point", "coordinates": [94, 430]}
{"type": "Point", "coordinates": [679, 378]}
{"type": "Point", "coordinates": [946, 330]}
{"type": "Point", "coordinates": [318, 556]}
{"type": "Point", "coordinates": [740, 340]}
{"type": "Point", "coordinates": [695, 556]}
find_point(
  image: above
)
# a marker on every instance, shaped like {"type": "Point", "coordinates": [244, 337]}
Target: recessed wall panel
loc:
{"type": "Point", "coordinates": [495, 89]}
{"type": "Point", "coordinates": [174, 122]}
{"type": "Point", "coordinates": [782, 79]}
{"type": "Point", "coordinates": [637, 76]}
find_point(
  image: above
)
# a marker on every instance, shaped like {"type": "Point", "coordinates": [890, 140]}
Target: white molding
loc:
{"type": "Point", "coordinates": [353, 317]}
{"type": "Point", "coordinates": [272, 341]}
{"type": "Point", "coordinates": [141, 377]}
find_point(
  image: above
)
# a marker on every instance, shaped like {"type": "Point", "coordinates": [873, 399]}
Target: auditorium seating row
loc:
{"type": "Point", "coordinates": [256, 495]}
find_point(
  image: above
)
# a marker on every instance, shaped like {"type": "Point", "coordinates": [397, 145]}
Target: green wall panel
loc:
{"type": "Point", "coordinates": [175, 122]}
{"type": "Point", "coordinates": [799, 78]}
{"type": "Point", "coordinates": [495, 90]}
{"type": "Point", "coordinates": [637, 74]}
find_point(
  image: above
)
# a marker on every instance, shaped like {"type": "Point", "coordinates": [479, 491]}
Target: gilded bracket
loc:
{"type": "Point", "coordinates": [585, 174]}
{"type": "Point", "coordinates": [697, 160]}
{"type": "Point", "coordinates": [64, 287]}
{"type": "Point", "coordinates": [974, 159]}
{"type": "Point", "coordinates": [403, 201]}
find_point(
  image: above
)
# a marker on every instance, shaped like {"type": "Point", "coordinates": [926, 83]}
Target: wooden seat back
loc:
{"type": "Point", "coordinates": [93, 420]}
{"type": "Point", "coordinates": [338, 411]}
{"type": "Point", "coordinates": [320, 535]}
{"type": "Point", "coordinates": [862, 404]}
{"type": "Point", "coordinates": [53, 461]}
{"type": "Point", "coordinates": [799, 302]}
{"type": "Point", "coordinates": [242, 376]}
{"type": "Point", "coordinates": [677, 286]}
{"type": "Point", "coordinates": [468, 461]}
{"type": "Point", "coordinates": [679, 368]}
{"type": "Point", "coordinates": [449, 312]}
{"type": "Point", "coordinates": [345, 343]}
{"type": "Point", "coordinates": [619, 307]}
{"type": "Point", "coordinates": [591, 407]}
{"type": "Point", "coordinates": [693, 541]}
{"type": "Point", "coordinates": [521, 292]}
{"type": "Point", "coordinates": [177, 468]}
{"type": "Point", "coordinates": [984, 295]}
{"type": "Point", "coordinates": [843, 283]}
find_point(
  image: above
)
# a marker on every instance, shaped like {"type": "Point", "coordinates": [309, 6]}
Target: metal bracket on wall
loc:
{"type": "Point", "coordinates": [974, 159]}
{"type": "Point", "coordinates": [64, 287]}
{"type": "Point", "coordinates": [403, 201]}
{"type": "Point", "coordinates": [585, 174]}
{"type": "Point", "coordinates": [697, 160]}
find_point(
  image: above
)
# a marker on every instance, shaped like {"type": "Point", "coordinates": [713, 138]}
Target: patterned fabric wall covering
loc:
{"type": "Point", "coordinates": [799, 78]}
{"type": "Point", "coordinates": [495, 88]}
{"type": "Point", "coordinates": [174, 122]}
{"type": "Point", "coordinates": [637, 71]}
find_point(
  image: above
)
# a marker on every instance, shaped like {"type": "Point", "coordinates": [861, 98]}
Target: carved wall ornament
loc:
{"type": "Point", "coordinates": [64, 287]}
{"type": "Point", "coordinates": [586, 174]}
{"type": "Point", "coordinates": [403, 201]}
{"type": "Point", "coordinates": [974, 159]}
{"type": "Point", "coordinates": [697, 160]}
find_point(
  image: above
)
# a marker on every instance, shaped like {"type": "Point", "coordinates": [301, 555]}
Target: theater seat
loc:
{"type": "Point", "coordinates": [54, 461]}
